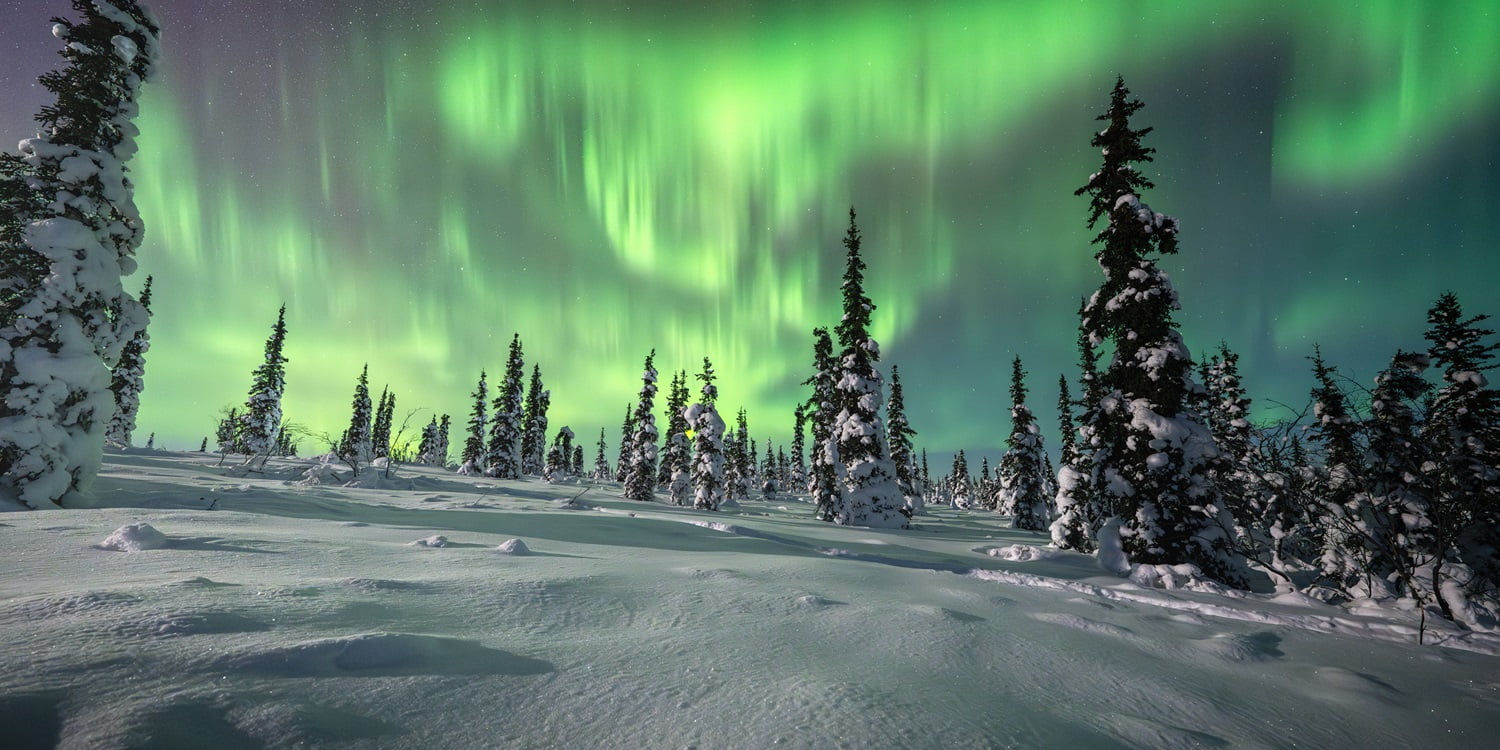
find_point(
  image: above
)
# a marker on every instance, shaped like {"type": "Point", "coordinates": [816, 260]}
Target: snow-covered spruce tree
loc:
{"type": "Point", "coordinates": [506, 418]}
{"type": "Point", "coordinates": [768, 484]}
{"type": "Point", "coordinates": [64, 314]}
{"type": "Point", "coordinates": [357, 448]}
{"type": "Point", "coordinates": [1153, 468]}
{"type": "Point", "coordinates": [380, 431]}
{"type": "Point", "coordinates": [1345, 557]}
{"type": "Point", "coordinates": [260, 423]}
{"type": "Point", "coordinates": [559, 456]}
{"type": "Point", "coordinates": [960, 486]}
{"type": "Point", "coordinates": [427, 446]}
{"type": "Point", "coordinates": [708, 444]}
{"type": "Point", "coordinates": [601, 464]}
{"type": "Point", "coordinates": [1079, 511]}
{"type": "Point", "coordinates": [1229, 420]}
{"type": "Point", "coordinates": [473, 455]}
{"type": "Point", "coordinates": [678, 454]}
{"type": "Point", "coordinates": [228, 432]}
{"type": "Point", "coordinates": [627, 430]}
{"type": "Point", "coordinates": [640, 479]}
{"type": "Point", "coordinates": [985, 490]}
{"type": "Point", "coordinates": [1022, 476]}
{"type": "Point", "coordinates": [869, 478]}
{"type": "Point", "coordinates": [737, 451]}
{"type": "Point", "coordinates": [899, 433]}
{"type": "Point", "coordinates": [1463, 429]}
{"type": "Point", "coordinates": [824, 481]}
{"type": "Point", "coordinates": [798, 472]}
{"type": "Point", "coordinates": [127, 379]}
{"type": "Point", "coordinates": [1396, 508]}
{"type": "Point", "coordinates": [578, 460]}
{"type": "Point", "coordinates": [440, 454]}
{"type": "Point", "coordinates": [534, 423]}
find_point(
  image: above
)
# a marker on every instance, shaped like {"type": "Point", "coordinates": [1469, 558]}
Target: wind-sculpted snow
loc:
{"type": "Point", "coordinates": [292, 616]}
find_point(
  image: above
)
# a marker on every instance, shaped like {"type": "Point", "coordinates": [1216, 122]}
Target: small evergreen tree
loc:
{"type": "Point", "coordinates": [473, 454]}
{"type": "Point", "coordinates": [203, 447]}
{"type": "Point", "coordinates": [507, 420]}
{"type": "Point", "coordinates": [960, 485]}
{"type": "Point", "coordinates": [640, 480]}
{"type": "Point", "coordinates": [228, 433]}
{"type": "Point", "coordinates": [357, 448]}
{"type": "Point", "coordinates": [380, 433]}
{"type": "Point", "coordinates": [601, 464]}
{"type": "Point", "coordinates": [260, 423]}
{"type": "Point", "coordinates": [427, 446]}
{"type": "Point", "coordinates": [627, 431]}
{"type": "Point", "coordinates": [127, 379]}
{"type": "Point", "coordinates": [798, 477]}
{"type": "Point", "coordinates": [534, 424]}
{"type": "Point", "coordinates": [899, 434]}
{"type": "Point", "coordinates": [559, 456]}
{"type": "Point", "coordinates": [824, 481]}
{"type": "Point", "coordinates": [1080, 510]}
{"type": "Point", "coordinates": [1345, 556]}
{"type": "Point", "coordinates": [441, 453]}
{"type": "Point", "coordinates": [737, 477]}
{"type": "Point", "coordinates": [678, 454]}
{"type": "Point", "coordinates": [1023, 469]}
{"type": "Point", "coordinates": [708, 447]}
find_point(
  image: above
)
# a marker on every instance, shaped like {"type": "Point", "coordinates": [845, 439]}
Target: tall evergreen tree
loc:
{"type": "Point", "coordinates": [874, 499]}
{"type": "Point", "coordinates": [1153, 468]}
{"type": "Point", "coordinates": [127, 379]}
{"type": "Point", "coordinates": [737, 477]}
{"type": "Point", "coordinates": [1022, 476]}
{"type": "Point", "coordinates": [261, 421]}
{"type": "Point", "coordinates": [534, 424]}
{"type": "Point", "coordinates": [63, 309]}
{"type": "Point", "coordinates": [640, 480]}
{"type": "Point", "coordinates": [1463, 428]}
{"type": "Point", "coordinates": [1395, 512]}
{"type": "Point", "coordinates": [577, 469]}
{"type": "Point", "coordinates": [1345, 556]}
{"type": "Point", "coordinates": [900, 433]}
{"type": "Point", "coordinates": [473, 453]}
{"type": "Point", "coordinates": [356, 447]}
{"type": "Point", "coordinates": [504, 457]}
{"type": "Point", "coordinates": [708, 446]}
{"type": "Point", "coordinates": [824, 482]}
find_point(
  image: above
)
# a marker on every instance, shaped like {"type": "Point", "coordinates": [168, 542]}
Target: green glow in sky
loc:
{"type": "Point", "coordinates": [417, 185]}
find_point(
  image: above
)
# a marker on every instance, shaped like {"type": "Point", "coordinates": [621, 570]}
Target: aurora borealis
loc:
{"type": "Point", "coordinates": [418, 182]}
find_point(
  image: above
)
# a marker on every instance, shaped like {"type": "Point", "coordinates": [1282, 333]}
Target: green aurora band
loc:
{"type": "Point", "coordinates": [416, 186]}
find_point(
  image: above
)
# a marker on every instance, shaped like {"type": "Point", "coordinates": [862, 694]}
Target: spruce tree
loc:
{"type": "Point", "coordinates": [427, 447]}
{"type": "Point", "coordinates": [960, 485]}
{"type": "Point", "coordinates": [380, 434]}
{"type": "Point", "coordinates": [824, 482]}
{"type": "Point", "coordinates": [708, 447]}
{"type": "Point", "coordinates": [63, 309]}
{"type": "Point", "coordinates": [678, 453]}
{"type": "Point", "coordinates": [1022, 474]}
{"type": "Point", "coordinates": [1079, 508]}
{"type": "Point", "coordinates": [1397, 509]}
{"type": "Point", "coordinates": [506, 422]}
{"type": "Point", "coordinates": [357, 448]}
{"type": "Point", "coordinates": [559, 456]}
{"type": "Point", "coordinates": [228, 432]}
{"type": "Point", "coordinates": [1463, 428]}
{"type": "Point", "coordinates": [627, 432]}
{"type": "Point", "coordinates": [261, 421]}
{"type": "Point", "coordinates": [874, 499]}
{"type": "Point", "coordinates": [534, 424]}
{"type": "Point", "coordinates": [899, 433]}
{"type": "Point", "coordinates": [441, 452]}
{"type": "Point", "coordinates": [473, 453]}
{"type": "Point", "coordinates": [1153, 466]}
{"type": "Point", "coordinates": [640, 479]}
{"type": "Point", "coordinates": [203, 447]}
{"type": "Point", "coordinates": [737, 478]}
{"type": "Point", "coordinates": [127, 379]}
{"type": "Point", "coordinates": [798, 476]}
{"type": "Point", "coordinates": [601, 464]}
{"type": "Point", "coordinates": [577, 469]}
{"type": "Point", "coordinates": [1344, 554]}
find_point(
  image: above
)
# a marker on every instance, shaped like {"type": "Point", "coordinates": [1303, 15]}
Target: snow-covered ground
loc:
{"type": "Point", "coordinates": [407, 616]}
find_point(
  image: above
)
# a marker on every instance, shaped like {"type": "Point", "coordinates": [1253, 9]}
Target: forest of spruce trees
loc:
{"type": "Point", "coordinates": [1386, 492]}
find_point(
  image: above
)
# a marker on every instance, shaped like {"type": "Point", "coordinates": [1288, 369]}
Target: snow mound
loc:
{"type": "Point", "coordinates": [1019, 553]}
{"type": "Point", "coordinates": [1182, 576]}
{"type": "Point", "coordinates": [436, 540]}
{"type": "Point", "coordinates": [319, 474]}
{"type": "Point", "coordinates": [513, 547]}
{"type": "Point", "coordinates": [134, 538]}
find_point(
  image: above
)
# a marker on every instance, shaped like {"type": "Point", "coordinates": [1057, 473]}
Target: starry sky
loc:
{"type": "Point", "coordinates": [418, 180]}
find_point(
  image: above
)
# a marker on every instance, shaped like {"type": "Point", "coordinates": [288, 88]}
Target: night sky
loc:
{"type": "Point", "coordinates": [418, 180]}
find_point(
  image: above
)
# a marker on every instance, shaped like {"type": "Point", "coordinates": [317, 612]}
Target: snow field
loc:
{"type": "Point", "coordinates": [305, 615]}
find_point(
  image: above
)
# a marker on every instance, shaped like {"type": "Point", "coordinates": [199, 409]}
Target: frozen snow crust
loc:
{"type": "Point", "coordinates": [296, 615]}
